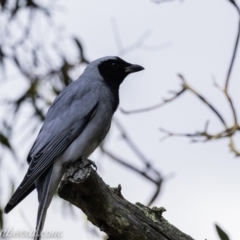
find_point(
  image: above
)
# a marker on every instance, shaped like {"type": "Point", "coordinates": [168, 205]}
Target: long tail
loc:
{"type": "Point", "coordinates": [42, 185]}
{"type": "Point", "coordinates": [12, 205]}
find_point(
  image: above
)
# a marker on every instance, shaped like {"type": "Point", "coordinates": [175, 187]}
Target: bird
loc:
{"type": "Point", "coordinates": [75, 125]}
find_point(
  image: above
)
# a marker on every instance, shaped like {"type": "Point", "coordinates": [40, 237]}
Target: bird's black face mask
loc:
{"type": "Point", "coordinates": [115, 70]}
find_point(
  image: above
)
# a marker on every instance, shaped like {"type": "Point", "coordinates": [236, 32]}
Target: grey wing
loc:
{"type": "Point", "coordinates": [65, 120]}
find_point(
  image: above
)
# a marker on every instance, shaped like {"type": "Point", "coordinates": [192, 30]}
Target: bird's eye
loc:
{"type": "Point", "coordinates": [114, 65]}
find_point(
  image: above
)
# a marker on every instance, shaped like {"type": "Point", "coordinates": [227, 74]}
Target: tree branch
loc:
{"type": "Point", "coordinates": [144, 173]}
{"type": "Point", "coordinates": [107, 209]}
{"type": "Point", "coordinates": [158, 105]}
{"type": "Point", "coordinates": [235, 47]}
{"type": "Point", "coordinates": [228, 132]}
{"type": "Point", "coordinates": [149, 172]}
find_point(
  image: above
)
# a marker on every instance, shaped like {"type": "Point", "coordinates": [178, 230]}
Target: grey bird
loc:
{"type": "Point", "coordinates": [75, 125]}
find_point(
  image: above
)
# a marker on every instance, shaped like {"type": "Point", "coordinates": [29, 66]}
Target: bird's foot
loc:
{"type": "Point", "coordinates": [80, 170]}
{"type": "Point", "coordinates": [90, 163]}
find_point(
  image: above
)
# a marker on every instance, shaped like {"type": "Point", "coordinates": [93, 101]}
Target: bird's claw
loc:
{"type": "Point", "coordinates": [92, 163]}
{"type": "Point", "coordinates": [80, 170]}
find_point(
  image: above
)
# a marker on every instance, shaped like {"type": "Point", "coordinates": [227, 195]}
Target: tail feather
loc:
{"type": "Point", "coordinates": [10, 206]}
{"type": "Point", "coordinates": [42, 184]}
{"type": "Point", "coordinates": [42, 212]}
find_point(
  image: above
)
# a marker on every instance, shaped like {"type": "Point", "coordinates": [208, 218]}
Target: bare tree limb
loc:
{"type": "Point", "coordinates": [149, 172]}
{"type": "Point", "coordinates": [107, 209]}
{"type": "Point", "coordinates": [144, 173]}
{"type": "Point", "coordinates": [133, 146]}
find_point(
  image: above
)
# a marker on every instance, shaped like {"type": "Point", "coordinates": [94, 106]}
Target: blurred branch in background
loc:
{"type": "Point", "coordinates": [30, 48]}
{"type": "Point", "coordinates": [139, 44]}
{"type": "Point", "coordinates": [29, 56]}
{"type": "Point", "coordinates": [228, 131]}
{"type": "Point", "coordinates": [164, 1]}
{"type": "Point", "coordinates": [149, 172]}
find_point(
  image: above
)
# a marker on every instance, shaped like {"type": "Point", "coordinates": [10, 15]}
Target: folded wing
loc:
{"type": "Point", "coordinates": [66, 119]}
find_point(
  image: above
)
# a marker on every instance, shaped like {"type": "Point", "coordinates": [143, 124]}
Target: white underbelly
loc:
{"type": "Point", "coordinates": [88, 140]}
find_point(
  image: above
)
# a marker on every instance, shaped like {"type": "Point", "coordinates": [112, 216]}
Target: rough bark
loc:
{"type": "Point", "coordinates": [107, 209]}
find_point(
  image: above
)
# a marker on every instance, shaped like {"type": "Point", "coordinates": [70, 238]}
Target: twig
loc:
{"type": "Point", "coordinates": [233, 147]}
{"type": "Point", "coordinates": [185, 87]}
{"type": "Point", "coordinates": [200, 134]}
{"type": "Point", "coordinates": [162, 1]}
{"type": "Point", "coordinates": [147, 173]}
{"type": "Point", "coordinates": [134, 148]}
{"type": "Point", "coordinates": [203, 100]}
{"type": "Point", "coordinates": [138, 44]}
{"type": "Point", "coordinates": [235, 47]}
{"type": "Point", "coordinates": [156, 106]}
{"type": "Point", "coordinates": [228, 132]}
{"type": "Point", "coordinates": [232, 63]}
{"type": "Point", "coordinates": [126, 164]}
{"type": "Point", "coordinates": [229, 100]}
{"type": "Point", "coordinates": [158, 182]}
{"type": "Point", "coordinates": [125, 136]}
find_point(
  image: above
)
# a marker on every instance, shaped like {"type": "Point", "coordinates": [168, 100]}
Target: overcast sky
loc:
{"type": "Point", "coordinates": [194, 38]}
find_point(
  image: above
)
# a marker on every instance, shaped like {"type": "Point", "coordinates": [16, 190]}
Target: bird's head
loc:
{"type": "Point", "coordinates": [114, 70]}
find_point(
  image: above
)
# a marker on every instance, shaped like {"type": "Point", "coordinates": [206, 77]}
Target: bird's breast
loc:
{"type": "Point", "coordinates": [93, 134]}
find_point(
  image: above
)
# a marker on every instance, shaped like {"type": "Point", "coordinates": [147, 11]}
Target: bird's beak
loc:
{"type": "Point", "coordinates": [133, 68]}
